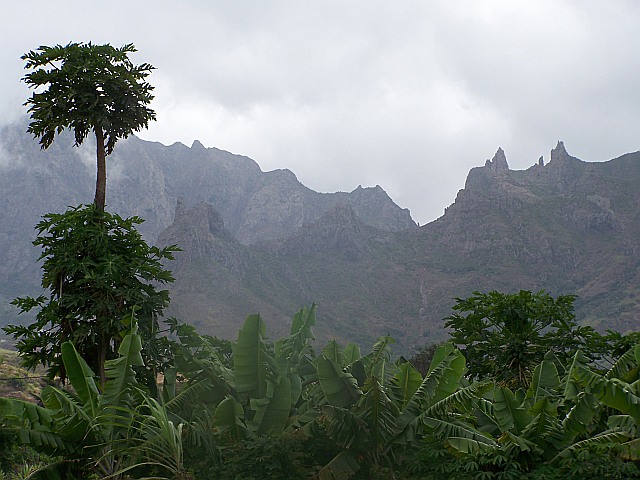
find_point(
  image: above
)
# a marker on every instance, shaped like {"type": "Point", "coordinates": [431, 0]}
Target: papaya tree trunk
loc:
{"type": "Point", "coordinates": [103, 344]}
{"type": "Point", "coordinates": [101, 178]}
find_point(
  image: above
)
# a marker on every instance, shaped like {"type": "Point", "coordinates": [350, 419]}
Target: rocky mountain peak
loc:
{"type": "Point", "coordinates": [559, 153]}
{"type": "Point", "coordinates": [196, 145]}
{"type": "Point", "coordinates": [201, 221]}
{"type": "Point", "coordinates": [498, 163]}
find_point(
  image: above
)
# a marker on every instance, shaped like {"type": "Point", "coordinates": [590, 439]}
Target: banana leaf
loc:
{"type": "Point", "coordinates": [340, 388]}
{"type": "Point", "coordinates": [250, 358]}
{"type": "Point", "coordinates": [273, 410]}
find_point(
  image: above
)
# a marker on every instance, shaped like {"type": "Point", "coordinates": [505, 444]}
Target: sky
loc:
{"type": "Point", "coordinates": [408, 95]}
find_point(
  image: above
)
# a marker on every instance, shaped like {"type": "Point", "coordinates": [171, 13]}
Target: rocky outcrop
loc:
{"type": "Point", "coordinates": [339, 233]}
{"type": "Point", "coordinates": [256, 241]}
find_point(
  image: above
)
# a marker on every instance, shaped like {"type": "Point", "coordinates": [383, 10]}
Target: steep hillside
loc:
{"type": "Point", "coordinates": [569, 227]}
{"type": "Point", "coordinates": [257, 241]}
{"type": "Point", "coordinates": [146, 179]}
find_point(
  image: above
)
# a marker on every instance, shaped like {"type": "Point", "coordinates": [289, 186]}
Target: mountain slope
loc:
{"type": "Point", "coordinates": [258, 241]}
{"type": "Point", "coordinates": [146, 179]}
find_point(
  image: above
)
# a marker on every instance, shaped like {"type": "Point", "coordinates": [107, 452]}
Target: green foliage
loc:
{"type": "Point", "coordinates": [503, 336]}
{"type": "Point", "coordinates": [113, 433]}
{"type": "Point", "coordinates": [280, 411]}
{"type": "Point", "coordinates": [97, 269]}
{"type": "Point", "coordinates": [286, 456]}
{"type": "Point", "coordinates": [88, 86]}
{"type": "Point", "coordinates": [85, 87]}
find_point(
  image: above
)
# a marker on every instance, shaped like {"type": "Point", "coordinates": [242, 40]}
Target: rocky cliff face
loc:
{"type": "Point", "coordinates": [256, 206]}
{"type": "Point", "coordinates": [567, 226]}
{"type": "Point", "coordinates": [146, 179]}
{"type": "Point", "coordinates": [258, 241]}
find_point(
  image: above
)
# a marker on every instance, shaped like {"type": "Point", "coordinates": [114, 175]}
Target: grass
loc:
{"type": "Point", "coordinates": [17, 382]}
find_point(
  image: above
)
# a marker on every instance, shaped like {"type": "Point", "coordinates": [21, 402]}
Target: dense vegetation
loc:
{"type": "Point", "coordinates": [279, 410]}
{"type": "Point", "coordinates": [521, 391]}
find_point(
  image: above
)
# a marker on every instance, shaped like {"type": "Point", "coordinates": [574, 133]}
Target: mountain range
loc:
{"type": "Point", "coordinates": [255, 241]}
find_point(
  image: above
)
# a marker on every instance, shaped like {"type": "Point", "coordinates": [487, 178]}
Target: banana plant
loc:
{"type": "Point", "coordinates": [115, 432]}
{"type": "Point", "coordinates": [268, 381]}
{"type": "Point", "coordinates": [557, 415]}
{"type": "Point", "coordinates": [374, 408]}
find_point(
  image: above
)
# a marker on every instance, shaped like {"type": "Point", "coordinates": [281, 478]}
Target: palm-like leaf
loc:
{"type": "Point", "coordinates": [626, 367]}
{"type": "Point", "coordinates": [375, 362]}
{"type": "Point", "coordinates": [345, 427]}
{"type": "Point", "coordinates": [342, 467]}
{"type": "Point", "coordinates": [453, 428]}
{"type": "Point", "coordinates": [272, 411]}
{"type": "Point", "coordinates": [611, 391]}
{"type": "Point", "coordinates": [379, 412]}
{"type": "Point", "coordinates": [607, 437]}
{"type": "Point", "coordinates": [578, 419]}
{"type": "Point", "coordinates": [249, 358]}
{"type": "Point", "coordinates": [227, 418]}
{"type": "Point", "coordinates": [81, 377]}
{"type": "Point", "coordinates": [339, 388]}
{"type": "Point", "coordinates": [119, 371]}
{"type": "Point", "coordinates": [545, 430]}
{"type": "Point", "coordinates": [544, 380]}
{"type": "Point", "coordinates": [35, 425]}
{"type": "Point", "coordinates": [405, 383]}
{"type": "Point", "coordinates": [462, 399]}
{"type": "Point", "coordinates": [351, 353]}
{"type": "Point", "coordinates": [509, 411]}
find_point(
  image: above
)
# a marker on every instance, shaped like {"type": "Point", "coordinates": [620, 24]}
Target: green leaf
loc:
{"type": "Point", "coordinates": [470, 446]}
{"type": "Point", "coordinates": [612, 392]}
{"type": "Point", "coordinates": [34, 424]}
{"type": "Point", "coordinates": [579, 418]}
{"type": "Point", "coordinates": [405, 383]}
{"type": "Point", "coordinates": [379, 412]}
{"type": "Point", "coordinates": [250, 358]}
{"type": "Point", "coordinates": [227, 417]}
{"type": "Point", "coordinates": [273, 410]}
{"type": "Point", "coordinates": [351, 353]}
{"type": "Point", "coordinates": [625, 365]}
{"type": "Point", "coordinates": [600, 439]}
{"type": "Point", "coordinates": [447, 428]}
{"type": "Point", "coordinates": [81, 377]}
{"type": "Point", "coordinates": [545, 379]}
{"type": "Point", "coordinates": [119, 371]}
{"type": "Point", "coordinates": [342, 467]}
{"type": "Point", "coordinates": [340, 388]}
{"type": "Point", "coordinates": [441, 381]}
{"type": "Point", "coordinates": [334, 352]}
{"type": "Point", "coordinates": [509, 412]}
{"type": "Point", "coordinates": [442, 351]}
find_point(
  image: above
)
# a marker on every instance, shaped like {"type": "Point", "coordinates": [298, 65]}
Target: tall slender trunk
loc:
{"type": "Point", "coordinates": [101, 177]}
{"type": "Point", "coordinates": [103, 344]}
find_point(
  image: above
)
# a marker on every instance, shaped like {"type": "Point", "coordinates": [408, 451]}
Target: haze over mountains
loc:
{"type": "Point", "coordinates": [261, 241]}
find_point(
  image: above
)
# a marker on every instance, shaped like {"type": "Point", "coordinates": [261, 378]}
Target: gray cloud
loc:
{"type": "Point", "coordinates": [409, 95]}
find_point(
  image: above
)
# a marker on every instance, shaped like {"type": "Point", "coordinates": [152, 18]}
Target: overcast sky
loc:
{"type": "Point", "coordinates": [406, 94]}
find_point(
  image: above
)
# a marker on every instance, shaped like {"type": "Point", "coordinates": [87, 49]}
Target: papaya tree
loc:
{"type": "Point", "coordinates": [505, 335]}
{"type": "Point", "coordinates": [96, 269]}
{"type": "Point", "coordinates": [88, 88]}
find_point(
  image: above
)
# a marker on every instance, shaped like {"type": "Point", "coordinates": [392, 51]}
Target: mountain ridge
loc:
{"type": "Point", "coordinates": [258, 241]}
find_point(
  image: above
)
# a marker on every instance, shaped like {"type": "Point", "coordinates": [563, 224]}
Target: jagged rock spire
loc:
{"type": "Point", "coordinates": [559, 153]}
{"type": "Point", "coordinates": [499, 162]}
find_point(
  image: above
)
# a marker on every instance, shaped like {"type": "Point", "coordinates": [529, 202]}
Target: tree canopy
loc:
{"type": "Point", "coordinates": [88, 88]}
{"type": "Point", "coordinates": [97, 268]}
{"type": "Point", "coordinates": [504, 335]}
